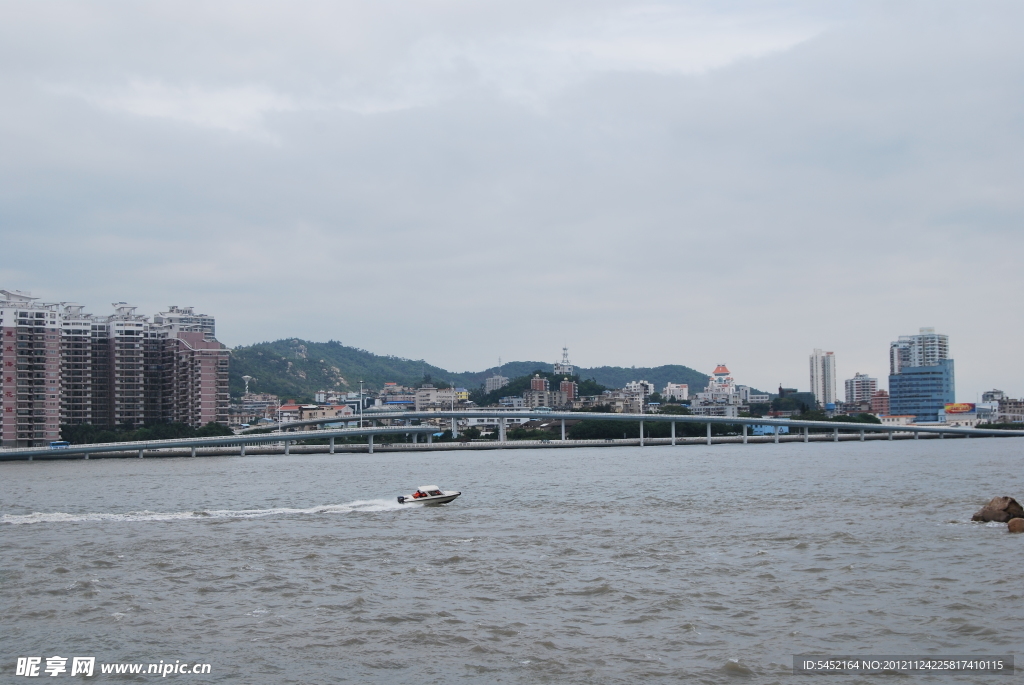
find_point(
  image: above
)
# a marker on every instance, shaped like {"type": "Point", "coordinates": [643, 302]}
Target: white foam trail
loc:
{"type": "Point", "coordinates": [368, 505]}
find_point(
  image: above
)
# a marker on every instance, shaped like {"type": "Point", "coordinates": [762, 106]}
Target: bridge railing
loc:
{"type": "Point", "coordinates": [219, 441]}
{"type": "Point", "coordinates": [842, 426]}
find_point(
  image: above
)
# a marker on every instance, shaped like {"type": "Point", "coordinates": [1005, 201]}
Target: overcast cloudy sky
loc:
{"type": "Point", "coordinates": [454, 180]}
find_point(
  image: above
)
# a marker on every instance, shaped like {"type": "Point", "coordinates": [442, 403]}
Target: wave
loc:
{"type": "Point", "coordinates": [368, 505]}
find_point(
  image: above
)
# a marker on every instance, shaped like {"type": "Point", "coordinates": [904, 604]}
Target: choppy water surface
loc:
{"type": "Point", "coordinates": [606, 565]}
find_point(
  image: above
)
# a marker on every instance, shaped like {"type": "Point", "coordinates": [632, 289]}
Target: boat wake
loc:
{"type": "Point", "coordinates": [368, 505]}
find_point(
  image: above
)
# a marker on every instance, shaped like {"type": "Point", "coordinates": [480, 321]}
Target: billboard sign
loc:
{"type": "Point", "coordinates": [961, 408]}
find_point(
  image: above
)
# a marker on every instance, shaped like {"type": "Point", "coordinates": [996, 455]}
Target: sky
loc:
{"type": "Point", "coordinates": [452, 180]}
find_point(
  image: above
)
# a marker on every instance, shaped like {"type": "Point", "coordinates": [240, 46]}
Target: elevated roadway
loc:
{"type": "Point", "coordinates": [251, 438]}
{"type": "Point", "coordinates": [155, 447]}
{"type": "Point", "coordinates": [501, 418]}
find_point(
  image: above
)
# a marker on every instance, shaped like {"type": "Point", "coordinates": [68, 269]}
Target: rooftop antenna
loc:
{"type": "Point", "coordinates": [247, 379]}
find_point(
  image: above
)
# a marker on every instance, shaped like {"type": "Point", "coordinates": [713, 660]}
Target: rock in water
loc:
{"type": "Point", "coordinates": [1000, 509]}
{"type": "Point", "coordinates": [1015, 525]}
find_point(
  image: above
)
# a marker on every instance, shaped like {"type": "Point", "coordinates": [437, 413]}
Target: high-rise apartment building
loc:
{"type": "Point", "coordinates": [823, 377]}
{"type": "Point", "coordinates": [76, 371]}
{"type": "Point", "coordinates": [185, 320]}
{"type": "Point", "coordinates": [927, 348]}
{"type": "Point", "coordinates": [70, 367]}
{"type": "Point", "coordinates": [30, 385]}
{"type": "Point", "coordinates": [921, 375]}
{"type": "Point", "coordinates": [860, 388]}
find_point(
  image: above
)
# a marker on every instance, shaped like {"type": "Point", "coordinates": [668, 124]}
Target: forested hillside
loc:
{"type": "Point", "coordinates": [296, 369]}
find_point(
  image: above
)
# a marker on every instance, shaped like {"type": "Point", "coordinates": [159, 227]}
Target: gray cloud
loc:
{"type": "Point", "coordinates": [674, 183]}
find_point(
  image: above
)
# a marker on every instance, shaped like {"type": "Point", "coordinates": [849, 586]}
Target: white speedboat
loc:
{"type": "Point", "coordinates": [429, 494]}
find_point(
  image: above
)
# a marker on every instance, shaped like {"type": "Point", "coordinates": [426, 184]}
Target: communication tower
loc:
{"type": "Point", "coordinates": [565, 367]}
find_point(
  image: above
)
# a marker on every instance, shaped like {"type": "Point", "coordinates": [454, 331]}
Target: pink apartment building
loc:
{"type": "Point", "coordinates": [63, 366]}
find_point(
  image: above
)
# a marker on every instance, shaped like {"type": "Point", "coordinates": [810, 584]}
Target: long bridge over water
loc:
{"type": "Point", "coordinates": [287, 434]}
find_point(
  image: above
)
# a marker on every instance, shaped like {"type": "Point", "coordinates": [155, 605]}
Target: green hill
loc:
{"type": "Point", "coordinates": [618, 376]}
{"type": "Point", "coordinates": [296, 369]}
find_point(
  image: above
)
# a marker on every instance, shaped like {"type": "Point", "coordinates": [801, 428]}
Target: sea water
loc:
{"type": "Point", "coordinates": [597, 565]}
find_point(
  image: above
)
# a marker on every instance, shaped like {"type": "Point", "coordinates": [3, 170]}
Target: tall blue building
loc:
{"type": "Point", "coordinates": [922, 390]}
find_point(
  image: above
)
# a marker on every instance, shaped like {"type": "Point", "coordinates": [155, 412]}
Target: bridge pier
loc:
{"type": "Point", "coordinates": [641, 433]}
{"type": "Point", "coordinates": [673, 432]}
{"type": "Point", "coordinates": [862, 435]}
{"type": "Point", "coordinates": [140, 453]}
{"type": "Point", "coordinates": [193, 451]}
{"type": "Point", "coordinates": [430, 438]}
{"type": "Point", "coordinates": [776, 434]}
{"type": "Point", "coordinates": [835, 435]}
{"type": "Point", "coordinates": [807, 434]}
{"type": "Point", "coordinates": [332, 444]}
{"type": "Point", "coordinates": [890, 434]}
{"type": "Point", "coordinates": [455, 428]}
{"type": "Point", "coordinates": [563, 430]}
{"type": "Point", "coordinates": [287, 446]}
{"type": "Point", "coordinates": [744, 434]}
{"type": "Point", "coordinates": [370, 444]}
{"type": "Point", "coordinates": [942, 436]}
{"type": "Point", "coordinates": [241, 451]}
{"type": "Point", "coordinates": [915, 435]}
{"type": "Point", "coordinates": [709, 433]}
{"type": "Point", "coordinates": [501, 429]}
{"type": "Point", "coordinates": [415, 438]}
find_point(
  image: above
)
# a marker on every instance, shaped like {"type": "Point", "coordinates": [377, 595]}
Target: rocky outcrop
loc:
{"type": "Point", "coordinates": [1015, 526]}
{"type": "Point", "coordinates": [1000, 509]}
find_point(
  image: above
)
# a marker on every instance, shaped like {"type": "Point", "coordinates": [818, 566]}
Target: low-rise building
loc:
{"type": "Point", "coordinates": [488, 423]}
{"type": "Point", "coordinates": [880, 402]}
{"type": "Point", "coordinates": [1010, 411]}
{"type": "Point", "coordinates": [963, 414]}
{"type": "Point", "coordinates": [616, 401]}
{"type": "Point", "coordinates": [429, 398]}
{"type": "Point", "coordinates": [988, 412]}
{"type": "Point", "coordinates": [395, 396]}
{"type": "Point", "coordinates": [307, 412]}
{"type": "Point", "coordinates": [768, 430]}
{"type": "Point", "coordinates": [259, 405]}
{"type": "Point", "coordinates": [853, 408]}
{"type": "Point", "coordinates": [642, 388]}
{"type": "Point", "coordinates": [748, 396]}
{"type": "Point", "coordinates": [722, 397]}
{"type": "Point", "coordinates": [678, 392]}
{"type": "Point", "coordinates": [897, 420]}
{"type": "Point", "coordinates": [727, 410]}
{"type": "Point", "coordinates": [544, 398]}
